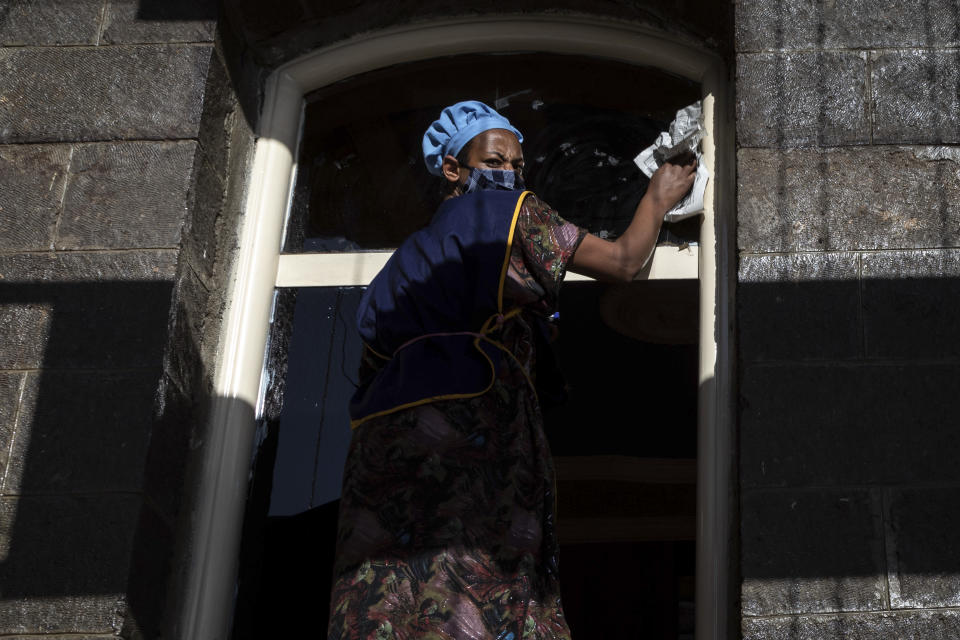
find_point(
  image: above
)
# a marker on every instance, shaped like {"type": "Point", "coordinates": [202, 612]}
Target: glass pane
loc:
{"type": "Point", "coordinates": [291, 517]}
{"type": "Point", "coordinates": [313, 426]}
{"type": "Point", "coordinates": [361, 183]}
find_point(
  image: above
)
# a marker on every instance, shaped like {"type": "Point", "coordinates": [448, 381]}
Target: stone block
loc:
{"type": "Point", "coordinates": [915, 625]}
{"type": "Point", "coordinates": [210, 248]}
{"type": "Point", "coordinates": [49, 22]}
{"type": "Point", "coordinates": [216, 159]}
{"type": "Point", "coordinates": [811, 551]}
{"type": "Point", "coordinates": [798, 307]}
{"type": "Point", "coordinates": [200, 226]}
{"type": "Point", "coordinates": [73, 616]}
{"type": "Point", "coordinates": [66, 562]}
{"type": "Point", "coordinates": [11, 385]}
{"type": "Point", "coordinates": [33, 179]}
{"type": "Point", "coordinates": [102, 93]}
{"type": "Point", "coordinates": [171, 442]}
{"type": "Point", "coordinates": [915, 97]}
{"type": "Point", "coordinates": [856, 424]}
{"type": "Point", "coordinates": [845, 24]}
{"type": "Point", "coordinates": [82, 431]}
{"type": "Point", "coordinates": [140, 21]}
{"type": "Point", "coordinates": [74, 268]}
{"type": "Point", "coordinates": [847, 199]}
{"type": "Point", "coordinates": [923, 548]}
{"type": "Point", "coordinates": [774, 26]}
{"type": "Point", "coordinates": [72, 636]}
{"type": "Point", "coordinates": [802, 99]}
{"type": "Point", "coordinates": [911, 304]}
{"type": "Point", "coordinates": [86, 310]}
{"type": "Point", "coordinates": [126, 195]}
{"type": "Point", "coordinates": [187, 331]}
{"type": "Point", "coordinates": [24, 328]}
{"type": "Point", "coordinates": [219, 105]}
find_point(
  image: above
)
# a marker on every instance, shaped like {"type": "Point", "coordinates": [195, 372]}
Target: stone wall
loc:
{"type": "Point", "coordinates": [848, 214]}
{"type": "Point", "coordinates": [122, 158]}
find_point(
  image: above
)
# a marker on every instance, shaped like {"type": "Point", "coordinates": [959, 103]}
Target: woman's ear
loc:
{"type": "Point", "coordinates": [450, 168]}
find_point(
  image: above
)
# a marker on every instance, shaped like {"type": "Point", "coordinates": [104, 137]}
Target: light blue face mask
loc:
{"type": "Point", "coordinates": [485, 179]}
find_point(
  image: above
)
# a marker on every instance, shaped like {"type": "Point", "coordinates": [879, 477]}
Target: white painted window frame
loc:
{"type": "Point", "coordinates": [215, 537]}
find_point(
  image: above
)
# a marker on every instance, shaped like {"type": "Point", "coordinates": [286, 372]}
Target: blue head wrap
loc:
{"type": "Point", "coordinates": [456, 126]}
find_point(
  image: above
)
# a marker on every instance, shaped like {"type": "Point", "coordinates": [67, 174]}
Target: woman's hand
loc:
{"type": "Point", "coordinates": [624, 258]}
{"type": "Point", "coordinates": [672, 181]}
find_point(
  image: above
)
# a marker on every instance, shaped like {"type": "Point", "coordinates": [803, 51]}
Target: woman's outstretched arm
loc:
{"type": "Point", "coordinates": [623, 258]}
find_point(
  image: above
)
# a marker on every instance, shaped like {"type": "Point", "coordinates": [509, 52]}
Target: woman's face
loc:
{"type": "Point", "coordinates": [492, 149]}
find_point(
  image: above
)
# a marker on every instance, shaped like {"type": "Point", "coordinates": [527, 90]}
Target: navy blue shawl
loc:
{"type": "Point", "coordinates": [447, 278]}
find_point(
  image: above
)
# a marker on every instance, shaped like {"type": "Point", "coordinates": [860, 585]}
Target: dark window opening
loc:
{"type": "Point", "coordinates": [625, 439]}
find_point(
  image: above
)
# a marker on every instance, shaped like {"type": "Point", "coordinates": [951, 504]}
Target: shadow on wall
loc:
{"type": "Point", "coordinates": [848, 397]}
{"type": "Point", "coordinates": [178, 10]}
{"type": "Point", "coordinates": [89, 356]}
{"type": "Point", "coordinates": [848, 464]}
{"type": "Point", "coordinates": [86, 409]}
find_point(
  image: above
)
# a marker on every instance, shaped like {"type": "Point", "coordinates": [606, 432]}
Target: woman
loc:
{"type": "Point", "coordinates": [446, 521]}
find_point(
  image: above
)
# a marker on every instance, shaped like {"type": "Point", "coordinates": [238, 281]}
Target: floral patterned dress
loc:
{"type": "Point", "coordinates": [446, 525]}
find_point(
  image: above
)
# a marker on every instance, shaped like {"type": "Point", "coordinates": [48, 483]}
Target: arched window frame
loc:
{"type": "Point", "coordinates": [215, 539]}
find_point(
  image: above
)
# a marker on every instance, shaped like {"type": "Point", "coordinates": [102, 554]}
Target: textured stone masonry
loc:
{"type": "Point", "coordinates": [61, 573]}
{"type": "Point", "coordinates": [802, 99]}
{"type": "Point", "coordinates": [109, 266]}
{"type": "Point", "coordinates": [82, 432]}
{"type": "Point", "coordinates": [10, 389]}
{"type": "Point", "coordinates": [54, 312]}
{"type": "Point", "coordinates": [101, 93]}
{"type": "Point", "coordinates": [923, 547]}
{"type": "Point", "coordinates": [776, 290]}
{"type": "Point", "coordinates": [847, 199]}
{"type": "Point", "coordinates": [812, 551]}
{"type": "Point", "coordinates": [162, 21]}
{"type": "Point", "coordinates": [841, 24]}
{"type": "Point", "coordinates": [911, 304]}
{"type": "Point", "coordinates": [24, 328]}
{"type": "Point", "coordinates": [92, 22]}
{"type": "Point", "coordinates": [925, 625]}
{"type": "Point", "coordinates": [33, 179]}
{"type": "Point", "coordinates": [64, 636]}
{"type": "Point", "coordinates": [126, 195]}
{"type": "Point", "coordinates": [187, 328]}
{"type": "Point", "coordinates": [49, 22]}
{"type": "Point", "coordinates": [201, 242]}
{"type": "Point", "coordinates": [916, 96]}
{"type": "Point", "coordinates": [848, 230]}
{"type": "Point", "coordinates": [173, 434]}
{"type": "Point", "coordinates": [851, 424]}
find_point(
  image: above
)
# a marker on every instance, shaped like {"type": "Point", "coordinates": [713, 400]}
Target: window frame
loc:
{"type": "Point", "coordinates": [207, 600]}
